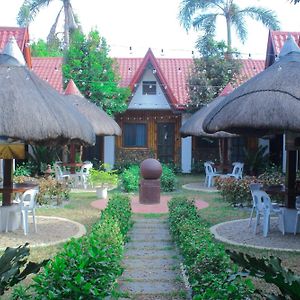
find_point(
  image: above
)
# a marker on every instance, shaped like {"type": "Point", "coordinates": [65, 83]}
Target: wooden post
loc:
{"type": "Point", "coordinates": [291, 178]}
{"type": "Point", "coordinates": [7, 180]}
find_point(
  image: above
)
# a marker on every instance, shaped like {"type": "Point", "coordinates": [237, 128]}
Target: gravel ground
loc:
{"type": "Point", "coordinates": [238, 232]}
{"type": "Point", "coordinates": [50, 230]}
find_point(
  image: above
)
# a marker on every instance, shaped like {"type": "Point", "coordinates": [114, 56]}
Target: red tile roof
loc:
{"type": "Point", "coordinates": [20, 34]}
{"type": "Point", "coordinates": [276, 40]}
{"type": "Point", "coordinates": [49, 69]}
{"type": "Point", "coordinates": [174, 73]}
{"type": "Point", "coordinates": [22, 37]}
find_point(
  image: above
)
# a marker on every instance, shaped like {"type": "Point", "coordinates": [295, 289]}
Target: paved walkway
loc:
{"type": "Point", "coordinates": [137, 207]}
{"type": "Point", "coordinates": [199, 186]}
{"type": "Point", "coordinates": [152, 266]}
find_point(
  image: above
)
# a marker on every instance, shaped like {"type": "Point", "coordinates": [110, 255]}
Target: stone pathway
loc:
{"type": "Point", "coordinates": [152, 266]}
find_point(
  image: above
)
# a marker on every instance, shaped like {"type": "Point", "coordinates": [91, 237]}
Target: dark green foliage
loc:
{"type": "Point", "coordinates": [94, 72]}
{"type": "Point", "coordinates": [11, 263]}
{"type": "Point", "coordinates": [42, 49]}
{"type": "Point", "coordinates": [87, 267]}
{"type": "Point", "coordinates": [208, 267]}
{"type": "Point", "coordinates": [271, 270]}
{"type": "Point", "coordinates": [130, 178]}
{"type": "Point", "coordinates": [167, 179]}
{"type": "Point", "coordinates": [210, 73]}
{"type": "Point", "coordinates": [256, 161]}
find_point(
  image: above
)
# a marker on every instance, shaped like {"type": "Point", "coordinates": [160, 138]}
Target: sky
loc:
{"type": "Point", "coordinates": [143, 24]}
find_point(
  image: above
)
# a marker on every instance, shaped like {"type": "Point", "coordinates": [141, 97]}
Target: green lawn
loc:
{"type": "Point", "coordinates": [80, 210]}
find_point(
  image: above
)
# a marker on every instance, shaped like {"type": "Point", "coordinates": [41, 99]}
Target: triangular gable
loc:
{"type": "Point", "coordinates": [22, 37]}
{"type": "Point", "coordinates": [276, 39]}
{"type": "Point", "coordinates": [150, 58]}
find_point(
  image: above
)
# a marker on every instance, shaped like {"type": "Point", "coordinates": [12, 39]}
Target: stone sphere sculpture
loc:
{"type": "Point", "coordinates": [150, 168]}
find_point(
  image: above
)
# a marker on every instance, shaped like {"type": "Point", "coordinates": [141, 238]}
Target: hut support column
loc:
{"type": "Point", "coordinates": [7, 180]}
{"type": "Point", "coordinates": [291, 177]}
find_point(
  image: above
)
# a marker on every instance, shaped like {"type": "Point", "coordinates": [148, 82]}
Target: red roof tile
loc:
{"type": "Point", "coordinates": [174, 73]}
{"type": "Point", "coordinates": [49, 69]}
{"type": "Point", "coordinates": [276, 40]}
{"type": "Point", "coordinates": [20, 35]}
{"type": "Point", "coordinates": [279, 37]}
{"type": "Point", "coordinates": [72, 89]}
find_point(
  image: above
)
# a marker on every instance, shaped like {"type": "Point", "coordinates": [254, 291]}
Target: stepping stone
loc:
{"type": "Point", "coordinates": [152, 265]}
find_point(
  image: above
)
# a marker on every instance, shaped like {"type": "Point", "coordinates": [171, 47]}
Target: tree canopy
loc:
{"type": "Point", "coordinates": [30, 8]}
{"type": "Point", "coordinates": [211, 72]}
{"type": "Point", "coordinates": [94, 72]}
{"type": "Point", "coordinates": [203, 14]}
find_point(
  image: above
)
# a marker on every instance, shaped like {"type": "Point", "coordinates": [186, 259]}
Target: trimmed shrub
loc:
{"type": "Point", "coordinates": [130, 178]}
{"type": "Point", "coordinates": [208, 267]}
{"type": "Point", "coordinates": [167, 179]}
{"type": "Point", "coordinates": [87, 268]}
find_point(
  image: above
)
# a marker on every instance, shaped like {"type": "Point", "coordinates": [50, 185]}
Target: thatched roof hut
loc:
{"type": "Point", "coordinates": [32, 111]}
{"type": "Point", "coordinates": [101, 122]}
{"type": "Point", "coordinates": [267, 103]}
{"type": "Point", "coordinates": [194, 125]}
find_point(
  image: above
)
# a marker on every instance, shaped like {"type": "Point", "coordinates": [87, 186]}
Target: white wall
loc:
{"type": "Point", "coordinates": [109, 150]}
{"type": "Point", "coordinates": [186, 150]}
{"type": "Point", "coordinates": [140, 101]}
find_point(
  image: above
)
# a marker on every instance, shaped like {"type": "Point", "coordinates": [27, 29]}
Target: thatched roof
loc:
{"type": "Point", "coordinates": [193, 126]}
{"type": "Point", "coordinates": [267, 103]}
{"type": "Point", "coordinates": [32, 111]}
{"type": "Point", "coordinates": [101, 122]}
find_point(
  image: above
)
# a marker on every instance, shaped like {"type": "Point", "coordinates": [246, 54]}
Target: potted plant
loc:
{"type": "Point", "coordinates": [102, 179]}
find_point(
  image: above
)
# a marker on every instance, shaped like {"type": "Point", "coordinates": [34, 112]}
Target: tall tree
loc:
{"type": "Point", "coordinates": [211, 72]}
{"type": "Point", "coordinates": [94, 72]}
{"type": "Point", "coordinates": [203, 14]}
{"type": "Point", "coordinates": [30, 8]}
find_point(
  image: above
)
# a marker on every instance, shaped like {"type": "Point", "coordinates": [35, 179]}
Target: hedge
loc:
{"type": "Point", "coordinates": [208, 267]}
{"type": "Point", "coordinates": [87, 267]}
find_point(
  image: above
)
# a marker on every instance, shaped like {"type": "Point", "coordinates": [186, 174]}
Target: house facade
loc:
{"type": "Point", "coordinates": [157, 107]}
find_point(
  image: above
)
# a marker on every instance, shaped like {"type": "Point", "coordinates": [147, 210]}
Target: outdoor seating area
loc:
{"type": "Point", "coordinates": [211, 172]}
{"type": "Point", "coordinates": [149, 177]}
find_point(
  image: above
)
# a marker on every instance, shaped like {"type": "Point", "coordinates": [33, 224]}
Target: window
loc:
{"type": "Point", "coordinates": [238, 149]}
{"type": "Point", "coordinates": [135, 135]}
{"type": "Point", "coordinates": [149, 87]}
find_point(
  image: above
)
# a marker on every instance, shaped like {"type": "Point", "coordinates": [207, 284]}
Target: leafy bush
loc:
{"type": "Point", "coordinates": [130, 178]}
{"type": "Point", "coordinates": [87, 268]}
{"type": "Point", "coordinates": [11, 262]}
{"type": "Point", "coordinates": [167, 179]}
{"type": "Point", "coordinates": [25, 169]}
{"type": "Point", "coordinates": [207, 265]}
{"type": "Point", "coordinates": [271, 270]}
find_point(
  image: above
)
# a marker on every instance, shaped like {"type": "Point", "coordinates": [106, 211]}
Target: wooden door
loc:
{"type": "Point", "coordinates": [165, 142]}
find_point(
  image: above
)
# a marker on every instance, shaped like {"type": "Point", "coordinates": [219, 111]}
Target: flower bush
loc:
{"type": "Point", "coordinates": [207, 265]}
{"type": "Point", "coordinates": [49, 188]}
{"type": "Point", "coordinates": [237, 191]}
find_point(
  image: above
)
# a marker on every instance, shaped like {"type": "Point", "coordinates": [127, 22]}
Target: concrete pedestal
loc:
{"type": "Point", "coordinates": [149, 191]}
{"type": "Point", "coordinates": [11, 214]}
{"type": "Point", "coordinates": [290, 216]}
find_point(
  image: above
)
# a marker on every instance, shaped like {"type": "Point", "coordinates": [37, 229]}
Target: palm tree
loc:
{"type": "Point", "coordinates": [30, 9]}
{"type": "Point", "coordinates": [202, 14]}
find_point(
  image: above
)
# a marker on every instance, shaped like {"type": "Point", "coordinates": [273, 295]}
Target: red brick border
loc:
{"type": "Point", "coordinates": [137, 207]}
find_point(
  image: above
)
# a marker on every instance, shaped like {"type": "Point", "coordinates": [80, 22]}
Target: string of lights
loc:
{"type": "Point", "coordinates": [163, 51]}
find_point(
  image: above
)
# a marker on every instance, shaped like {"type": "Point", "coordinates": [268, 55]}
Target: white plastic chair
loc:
{"type": "Point", "coordinates": [82, 176]}
{"type": "Point", "coordinates": [296, 223]}
{"type": "Point", "coordinates": [237, 171]}
{"type": "Point", "coordinates": [265, 208]}
{"type": "Point", "coordinates": [253, 187]}
{"type": "Point", "coordinates": [59, 174]}
{"type": "Point", "coordinates": [210, 173]}
{"type": "Point", "coordinates": [27, 205]}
